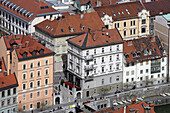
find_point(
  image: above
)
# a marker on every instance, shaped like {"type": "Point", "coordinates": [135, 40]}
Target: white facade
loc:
{"type": "Point", "coordinates": [8, 99]}
{"type": "Point", "coordinates": [96, 69]}
{"type": "Point", "coordinates": [141, 74]}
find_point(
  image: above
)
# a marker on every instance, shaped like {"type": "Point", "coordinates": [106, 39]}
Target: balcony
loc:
{"type": "Point", "coordinates": [156, 64]}
{"type": "Point", "coordinates": [89, 67]}
{"type": "Point", "coordinates": [89, 78]}
{"type": "Point", "coordinates": [89, 57]}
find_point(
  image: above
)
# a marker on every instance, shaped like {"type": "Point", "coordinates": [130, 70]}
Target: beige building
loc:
{"type": "Point", "coordinates": [33, 66]}
{"type": "Point", "coordinates": [131, 19]}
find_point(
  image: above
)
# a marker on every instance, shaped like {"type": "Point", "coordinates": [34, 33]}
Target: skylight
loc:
{"type": "Point", "coordinates": [113, 13]}
{"type": "Point", "coordinates": [52, 29]}
{"type": "Point", "coordinates": [62, 30]}
{"type": "Point", "coordinates": [10, 4]}
{"type": "Point", "coordinates": [7, 38]}
{"type": "Point", "coordinates": [127, 12]}
{"type": "Point", "coordinates": [138, 9]}
{"type": "Point", "coordinates": [119, 13]}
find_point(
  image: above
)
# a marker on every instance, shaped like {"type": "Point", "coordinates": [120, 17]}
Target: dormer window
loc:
{"type": "Point", "coordinates": [41, 51]}
{"type": "Point", "coordinates": [127, 56]}
{"type": "Point", "coordinates": [71, 29]}
{"type": "Point", "coordinates": [134, 55]}
{"type": "Point", "coordinates": [150, 51]}
{"type": "Point", "coordinates": [24, 55]}
{"type": "Point", "coordinates": [83, 27]}
{"type": "Point", "coordinates": [138, 53]}
{"type": "Point", "coordinates": [145, 52]}
{"type": "Point", "coordinates": [164, 51]}
{"type": "Point", "coordinates": [34, 53]}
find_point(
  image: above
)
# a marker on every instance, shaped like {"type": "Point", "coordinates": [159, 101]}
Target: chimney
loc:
{"type": "Point", "coordinates": [99, 2]}
{"type": "Point", "coordinates": [14, 46]}
{"type": "Point", "coordinates": [82, 16]}
{"type": "Point", "coordinates": [20, 46]}
{"type": "Point", "coordinates": [5, 73]}
{"type": "Point", "coordinates": [134, 101]}
{"type": "Point", "coordinates": [0, 65]}
{"type": "Point", "coordinates": [26, 43]}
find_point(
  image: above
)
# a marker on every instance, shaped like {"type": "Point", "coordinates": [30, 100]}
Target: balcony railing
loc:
{"type": "Point", "coordinates": [89, 57]}
{"type": "Point", "coordinates": [156, 64]}
{"type": "Point", "coordinates": [89, 67]}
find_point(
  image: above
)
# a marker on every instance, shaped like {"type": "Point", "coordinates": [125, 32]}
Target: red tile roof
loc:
{"type": "Point", "coordinates": [27, 6]}
{"type": "Point", "coordinates": [158, 6]}
{"type": "Point", "coordinates": [82, 2]}
{"type": "Point", "coordinates": [97, 38]}
{"type": "Point", "coordinates": [140, 107]}
{"type": "Point", "coordinates": [26, 44]}
{"type": "Point", "coordinates": [120, 11]}
{"type": "Point", "coordinates": [6, 81]}
{"type": "Point", "coordinates": [137, 48]}
{"type": "Point", "coordinates": [63, 26]}
{"type": "Point", "coordinates": [104, 2]}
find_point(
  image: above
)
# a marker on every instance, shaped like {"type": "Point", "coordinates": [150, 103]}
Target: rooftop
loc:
{"type": "Point", "coordinates": [143, 49]}
{"type": "Point", "coordinates": [120, 11]}
{"type": "Point", "coordinates": [27, 47]}
{"type": "Point", "coordinates": [27, 9]}
{"type": "Point", "coordinates": [158, 7]}
{"type": "Point", "coordinates": [167, 17]}
{"type": "Point", "coordinates": [6, 81]}
{"type": "Point", "coordinates": [97, 38]}
{"type": "Point", "coordinates": [71, 24]}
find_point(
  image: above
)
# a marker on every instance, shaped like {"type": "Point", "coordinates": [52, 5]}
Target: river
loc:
{"type": "Point", "coordinates": [163, 109]}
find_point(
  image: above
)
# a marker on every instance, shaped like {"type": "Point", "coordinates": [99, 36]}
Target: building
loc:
{"type": "Point", "coordinates": [8, 90]}
{"type": "Point", "coordinates": [134, 107]}
{"type": "Point", "coordinates": [33, 66]}
{"type": "Point", "coordinates": [20, 16]}
{"type": "Point", "coordinates": [131, 19]}
{"type": "Point", "coordinates": [95, 63]}
{"type": "Point", "coordinates": [55, 33]}
{"type": "Point", "coordinates": [61, 1]}
{"type": "Point", "coordinates": [157, 8]}
{"type": "Point", "coordinates": [145, 63]}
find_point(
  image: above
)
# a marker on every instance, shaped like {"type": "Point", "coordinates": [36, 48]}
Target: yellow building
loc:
{"type": "Point", "coordinates": [131, 19]}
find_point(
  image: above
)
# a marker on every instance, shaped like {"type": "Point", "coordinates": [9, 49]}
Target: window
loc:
{"type": "Point", "coordinates": [162, 59]}
{"type": "Point", "coordinates": [117, 47]}
{"type": "Point", "coordinates": [124, 24]}
{"type": "Point", "coordinates": [110, 79]}
{"type": "Point", "coordinates": [46, 92]}
{"type": "Point", "coordinates": [94, 71]}
{"type": "Point", "coordinates": [127, 73]}
{"type": "Point", "coordinates": [132, 72]}
{"type": "Point", "coordinates": [31, 74]}
{"type": "Point", "coordinates": [117, 25]}
{"type": "Point", "coordinates": [117, 56]}
{"type": "Point", "coordinates": [162, 74]}
{"type": "Point", "coordinates": [103, 81]}
{"type": "Point", "coordinates": [158, 75]}
{"type": "Point", "coordinates": [143, 21]}
{"type": "Point", "coordinates": [24, 76]}
{"type": "Point", "coordinates": [24, 67]}
{"type": "Point", "coordinates": [46, 71]}
{"type": "Point", "coordinates": [124, 32]}
{"type": "Point", "coordinates": [24, 107]}
{"type": "Point", "coordinates": [9, 92]}
{"type": "Point", "coordinates": [147, 70]}
{"type": "Point", "coordinates": [46, 62]}
{"type": "Point", "coordinates": [132, 79]}
{"type": "Point", "coordinates": [162, 68]}
{"type": "Point", "coordinates": [31, 95]}
{"type": "Point", "coordinates": [24, 97]}
{"type": "Point", "coordinates": [38, 83]}
{"type": "Point", "coordinates": [102, 59]}
{"type": "Point", "coordinates": [94, 51]}
{"type": "Point", "coordinates": [14, 91]}
{"type": "Point", "coordinates": [46, 102]}
{"type": "Point", "coordinates": [117, 66]}
{"type": "Point", "coordinates": [31, 84]}
{"type": "Point", "coordinates": [127, 80]}
{"type": "Point", "coordinates": [31, 65]}
{"type": "Point", "coordinates": [31, 106]}
{"type": "Point", "coordinates": [141, 78]}
{"type": "Point", "coordinates": [102, 50]}
{"type": "Point", "coordinates": [134, 22]}
{"type": "Point", "coordinates": [38, 64]}
{"type": "Point", "coordinates": [87, 53]}
{"type": "Point", "coordinates": [14, 100]}
{"type": "Point", "coordinates": [24, 86]}
{"type": "Point", "coordinates": [133, 63]}
{"type": "Point", "coordinates": [110, 67]}
{"type": "Point", "coordinates": [110, 48]}
{"type": "Point", "coordinates": [110, 58]}
{"type": "Point", "coordinates": [94, 61]}
{"type": "Point", "coordinates": [141, 71]}
{"type": "Point", "coordinates": [131, 32]}
{"type": "Point", "coordinates": [151, 76]}
{"type": "Point", "coordinates": [38, 73]}
{"type": "Point", "coordinates": [38, 94]}
{"type": "Point", "coordinates": [46, 81]}
{"type": "Point", "coordinates": [143, 30]}
{"type": "Point", "coordinates": [102, 69]}
{"type": "Point", "coordinates": [117, 78]}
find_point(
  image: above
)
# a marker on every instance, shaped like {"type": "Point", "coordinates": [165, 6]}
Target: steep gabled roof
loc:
{"type": "Point", "coordinates": [71, 24]}
{"type": "Point", "coordinates": [97, 38]}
